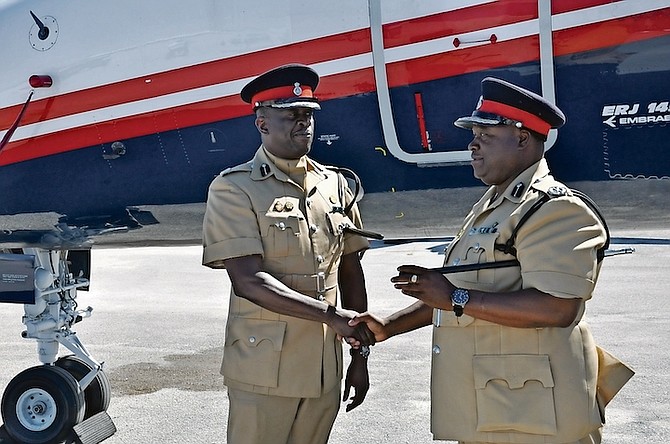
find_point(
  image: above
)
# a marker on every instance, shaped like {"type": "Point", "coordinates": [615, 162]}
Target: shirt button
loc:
{"type": "Point", "coordinates": [436, 349]}
{"type": "Point", "coordinates": [252, 339]}
{"type": "Point", "coordinates": [281, 226]}
{"type": "Point", "coordinates": [477, 247]}
{"type": "Point", "coordinates": [313, 228]}
{"type": "Point", "coordinates": [322, 298]}
{"type": "Point", "coordinates": [319, 259]}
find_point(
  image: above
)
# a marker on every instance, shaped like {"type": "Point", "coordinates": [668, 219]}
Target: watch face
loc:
{"type": "Point", "coordinates": [460, 296]}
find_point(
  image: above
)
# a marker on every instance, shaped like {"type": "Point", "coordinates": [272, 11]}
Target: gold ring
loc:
{"type": "Point", "coordinates": [414, 278]}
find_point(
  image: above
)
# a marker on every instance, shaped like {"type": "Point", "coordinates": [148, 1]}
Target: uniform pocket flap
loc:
{"type": "Point", "coordinates": [253, 332]}
{"type": "Point", "coordinates": [516, 370]}
{"type": "Point", "coordinates": [279, 222]}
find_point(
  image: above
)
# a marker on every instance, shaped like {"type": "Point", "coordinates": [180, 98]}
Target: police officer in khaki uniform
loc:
{"type": "Point", "coordinates": [285, 228]}
{"type": "Point", "coordinates": [512, 360]}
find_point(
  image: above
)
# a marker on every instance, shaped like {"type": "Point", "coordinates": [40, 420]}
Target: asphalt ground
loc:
{"type": "Point", "coordinates": [159, 318]}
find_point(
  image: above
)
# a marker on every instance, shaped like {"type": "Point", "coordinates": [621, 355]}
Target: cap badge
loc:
{"type": "Point", "coordinates": [297, 90]}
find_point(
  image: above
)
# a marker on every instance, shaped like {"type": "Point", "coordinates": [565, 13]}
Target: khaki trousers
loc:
{"type": "Point", "coordinates": [260, 419]}
{"type": "Point", "coordinates": [594, 437]}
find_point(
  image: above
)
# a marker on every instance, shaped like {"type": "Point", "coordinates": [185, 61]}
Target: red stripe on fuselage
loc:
{"type": "Point", "coordinates": [187, 78]}
{"type": "Point", "coordinates": [158, 121]}
{"type": "Point", "coordinates": [312, 51]}
{"type": "Point", "coordinates": [461, 21]}
{"type": "Point", "coordinates": [322, 49]}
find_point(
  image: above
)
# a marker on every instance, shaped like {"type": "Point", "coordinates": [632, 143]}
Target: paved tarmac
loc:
{"type": "Point", "coordinates": [158, 324]}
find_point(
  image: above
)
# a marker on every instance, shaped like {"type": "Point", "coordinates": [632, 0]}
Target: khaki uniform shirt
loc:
{"type": "Point", "coordinates": [492, 383]}
{"type": "Point", "coordinates": [258, 209]}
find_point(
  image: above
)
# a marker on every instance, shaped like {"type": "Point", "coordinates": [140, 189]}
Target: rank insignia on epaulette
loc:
{"type": "Point", "coordinates": [557, 191]}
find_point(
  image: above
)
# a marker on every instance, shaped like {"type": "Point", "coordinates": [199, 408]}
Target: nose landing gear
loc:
{"type": "Point", "coordinates": [65, 399]}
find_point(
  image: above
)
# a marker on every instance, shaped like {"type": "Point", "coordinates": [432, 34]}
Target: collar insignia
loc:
{"type": "Point", "coordinates": [518, 190]}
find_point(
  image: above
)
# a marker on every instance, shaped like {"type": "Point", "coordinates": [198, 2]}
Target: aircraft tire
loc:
{"type": "Point", "coordinates": [41, 405]}
{"type": "Point", "coordinates": [98, 393]}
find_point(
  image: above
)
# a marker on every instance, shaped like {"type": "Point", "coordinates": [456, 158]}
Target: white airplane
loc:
{"type": "Point", "coordinates": [115, 116]}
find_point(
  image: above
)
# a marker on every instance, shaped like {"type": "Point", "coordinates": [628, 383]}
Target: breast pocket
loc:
{"type": "Point", "coordinates": [252, 351]}
{"type": "Point", "coordinates": [280, 234]}
{"type": "Point", "coordinates": [515, 392]}
{"type": "Point", "coordinates": [476, 249]}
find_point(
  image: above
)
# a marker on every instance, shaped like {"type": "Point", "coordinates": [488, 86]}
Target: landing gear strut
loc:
{"type": "Point", "coordinates": [66, 398]}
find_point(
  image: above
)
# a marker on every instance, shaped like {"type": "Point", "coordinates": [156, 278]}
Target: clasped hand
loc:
{"type": "Point", "coordinates": [354, 334]}
{"type": "Point", "coordinates": [430, 287]}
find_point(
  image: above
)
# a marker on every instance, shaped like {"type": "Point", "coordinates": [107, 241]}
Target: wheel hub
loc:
{"type": "Point", "coordinates": [36, 410]}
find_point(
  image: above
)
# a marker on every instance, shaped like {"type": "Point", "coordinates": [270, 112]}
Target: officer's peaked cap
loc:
{"type": "Point", "coordinates": [287, 86]}
{"type": "Point", "coordinates": [503, 103]}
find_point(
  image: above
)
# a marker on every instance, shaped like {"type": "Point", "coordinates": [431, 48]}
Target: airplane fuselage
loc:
{"type": "Point", "coordinates": [143, 110]}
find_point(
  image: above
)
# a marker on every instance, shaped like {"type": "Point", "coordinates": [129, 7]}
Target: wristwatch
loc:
{"type": "Point", "coordinates": [459, 298]}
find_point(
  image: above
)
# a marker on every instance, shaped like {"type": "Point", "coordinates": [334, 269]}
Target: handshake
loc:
{"type": "Point", "coordinates": [429, 287]}
{"type": "Point", "coordinates": [358, 329]}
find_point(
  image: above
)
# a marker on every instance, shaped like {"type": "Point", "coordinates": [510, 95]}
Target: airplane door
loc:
{"type": "Point", "coordinates": [380, 56]}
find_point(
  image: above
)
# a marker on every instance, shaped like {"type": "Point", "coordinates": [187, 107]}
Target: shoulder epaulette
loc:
{"type": "Point", "coordinates": [546, 195]}
{"type": "Point", "coordinates": [247, 166]}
